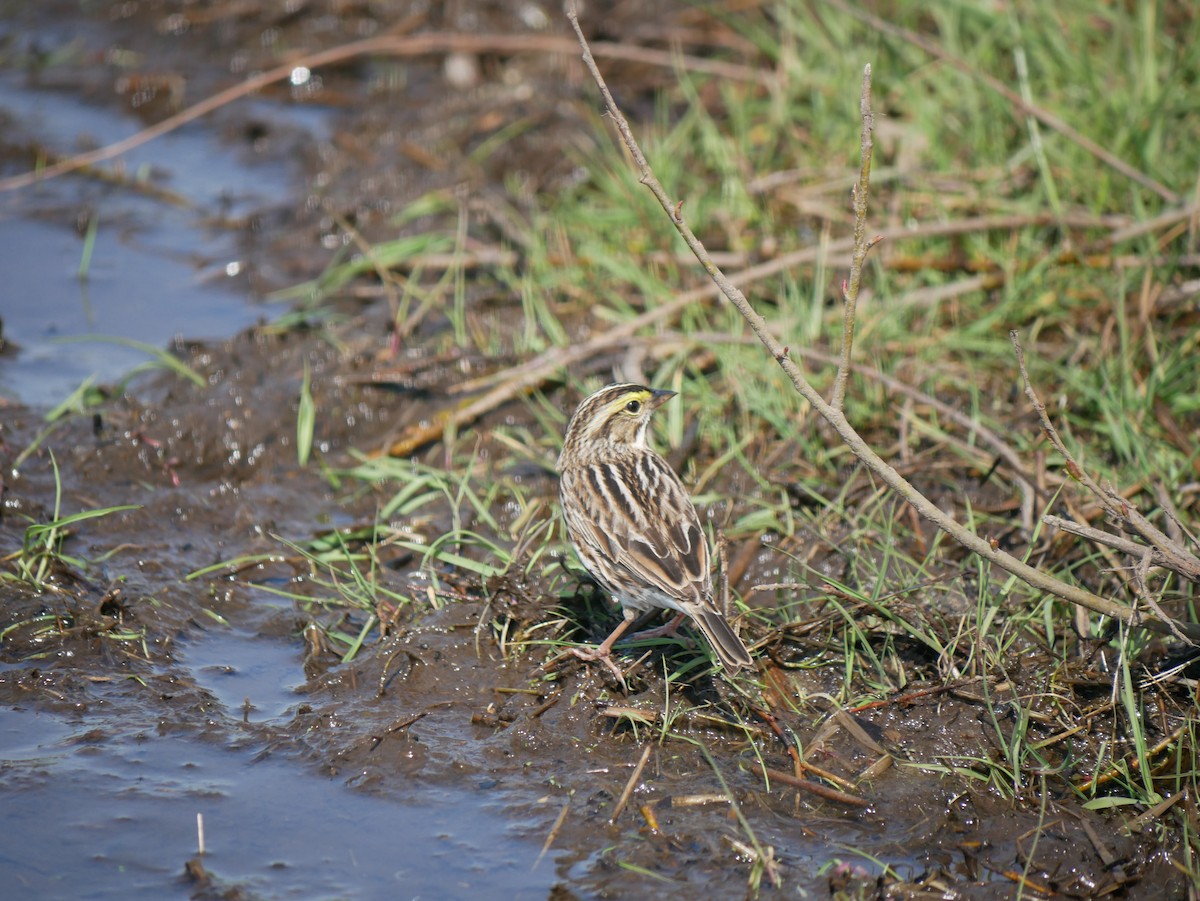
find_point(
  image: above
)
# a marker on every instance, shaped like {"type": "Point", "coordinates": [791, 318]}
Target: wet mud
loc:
{"type": "Point", "coordinates": [439, 762]}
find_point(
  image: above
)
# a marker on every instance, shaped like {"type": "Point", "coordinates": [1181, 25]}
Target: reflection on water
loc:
{"type": "Point", "coordinates": [238, 668]}
{"type": "Point", "coordinates": [94, 814]}
{"type": "Point", "coordinates": [156, 269]}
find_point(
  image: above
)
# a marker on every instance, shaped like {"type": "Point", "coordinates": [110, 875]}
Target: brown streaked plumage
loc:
{"type": "Point", "coordinates": [633, 523]}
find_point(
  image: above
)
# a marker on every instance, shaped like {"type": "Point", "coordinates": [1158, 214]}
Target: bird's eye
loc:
{"type": "Point", "coordinates": [633, 406]}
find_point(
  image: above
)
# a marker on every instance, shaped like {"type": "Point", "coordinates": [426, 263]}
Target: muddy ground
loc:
{"type": "Point", "coordinates": [437, 763]}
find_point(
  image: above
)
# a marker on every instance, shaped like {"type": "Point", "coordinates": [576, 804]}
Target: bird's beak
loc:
{"type": "Point", "coordinates": [658, 398]}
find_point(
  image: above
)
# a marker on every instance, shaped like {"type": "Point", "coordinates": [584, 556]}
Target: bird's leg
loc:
{"type": "Point", "coordinates": [603, 651]}
{"type": "Point", "coordinates": [665, 631]}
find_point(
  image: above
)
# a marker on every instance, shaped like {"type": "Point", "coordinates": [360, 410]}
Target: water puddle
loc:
{"type": "Point", "coordinates": [157, 265]}
{"type": "Point", "coordinates": [252, 677]}
{"type": "Point", "coordinates": [87, 815]}
{"type": "Point", "coordinates": [29, 738]}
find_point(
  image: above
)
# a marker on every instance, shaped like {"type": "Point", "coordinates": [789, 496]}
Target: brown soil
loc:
{"type": "Point", "coordinates": [438, 705]}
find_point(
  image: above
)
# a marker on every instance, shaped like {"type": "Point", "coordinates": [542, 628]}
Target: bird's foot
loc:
{"type": "Point", "coordinates": [602, 655]}
{"type": "Point", "coordinates": [589, 655]}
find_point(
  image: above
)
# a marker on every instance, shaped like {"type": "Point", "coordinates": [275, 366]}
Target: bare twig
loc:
{"type": "Point", "coordinates": [862, 246]}
{"type": "Point", "coordinates": [389, 45]}
{"type": "Point", "coordinates": [1166, 552]}
{"type": "Point", "coordinates": [1165, 219]}
{"type": "Point", "coordinates": [816, 788]}
{"type": "Point", "coordinates": [1175, 527]}
{"type": "Point", "coordinates": [836, 418]}
{"type": "Point", "coordinates": [1141, 586]}
{"type": "Point", "coordinates": [1099, 536]}
{"type": "Point", "coordinates": [558, 823]}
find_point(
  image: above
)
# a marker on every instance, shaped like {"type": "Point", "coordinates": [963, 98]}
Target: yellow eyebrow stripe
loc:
{"type": "Point", "coordinates": [618, 403]}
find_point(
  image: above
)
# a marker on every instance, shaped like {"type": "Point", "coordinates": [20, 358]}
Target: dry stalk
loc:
{"type": "Point", "coordinates": [383, 45]}
{"type": "Point", "coordinates": [850, 288]}
{"type": "Point", "coordinates": [1167, 552]}
{"type": "Point", "coordinates": [834, 416]}
{"type": "Point", "coordinates": [547, 366]}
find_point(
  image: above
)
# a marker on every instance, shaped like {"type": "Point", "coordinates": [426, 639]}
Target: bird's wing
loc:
{"type": "Point", "coordinates": [637, 513]}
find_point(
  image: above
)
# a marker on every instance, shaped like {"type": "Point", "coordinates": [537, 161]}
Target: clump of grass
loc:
{"type": "Point", "coordinates": [159, 358]}
{"type": "Point", "coordinates": [998, 217]}
{"type": "Point", "coordinates": [41, 552]}
{"type": "Point", "coordinates": [43, 566]}
{"type": "Point", "coordinates": [444, 524]}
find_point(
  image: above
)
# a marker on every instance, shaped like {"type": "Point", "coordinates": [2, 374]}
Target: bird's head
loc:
{"type": "Point", "coordinates": [615, 415]}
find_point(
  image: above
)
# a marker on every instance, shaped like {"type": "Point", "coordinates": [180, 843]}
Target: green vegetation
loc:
{"type": "Point", "coordinates": [43, 566]}
{"type": "Point", "coordinates": [1031, 173]}
{"type": "Point", "coordinates": [42, 551]}
{"type": "Point", "coordinates": [159, 358]}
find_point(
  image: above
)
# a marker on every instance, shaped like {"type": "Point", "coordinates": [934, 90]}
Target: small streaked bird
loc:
{"type": "Point", "coordinates": [633, 523]}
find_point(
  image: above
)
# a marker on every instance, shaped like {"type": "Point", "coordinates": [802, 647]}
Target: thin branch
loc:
{"type": "Point", "coordinates": [973, 542]}
{"type": "Point", "coordinates": [862, 246]}
{"type": "Point", "coordinates": [1175, 526]}
{"type": "Point", "coordinates": [1166, 552]}
{"type": "Point", "coordinates": [816, 788]}
{"type": "Point", "coordinates": [522, 379]}
{"type": "Point", "coordinates": [631, 783]}
{"type": "Point", "coordinates": [387, 45]}
{"type": "Point", "coordinates": [1099, 536]}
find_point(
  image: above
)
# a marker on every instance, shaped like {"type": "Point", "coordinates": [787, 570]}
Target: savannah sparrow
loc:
{"type": "Point", "coordinates": [633, 524]}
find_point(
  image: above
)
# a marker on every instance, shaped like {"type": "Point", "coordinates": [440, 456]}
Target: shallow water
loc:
{"type": "Point", "coordinates": [94, 813]}
{"type": "Point", "coordinates": [255, 678]}
{"type": "Point", "coordinates": [309, 778]}
{"type": "Point", "coordinates": [158, 268]}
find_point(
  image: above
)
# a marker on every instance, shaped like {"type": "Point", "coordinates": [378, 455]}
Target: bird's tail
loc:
{"type": "Point", "coordinates": [725, 642]}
